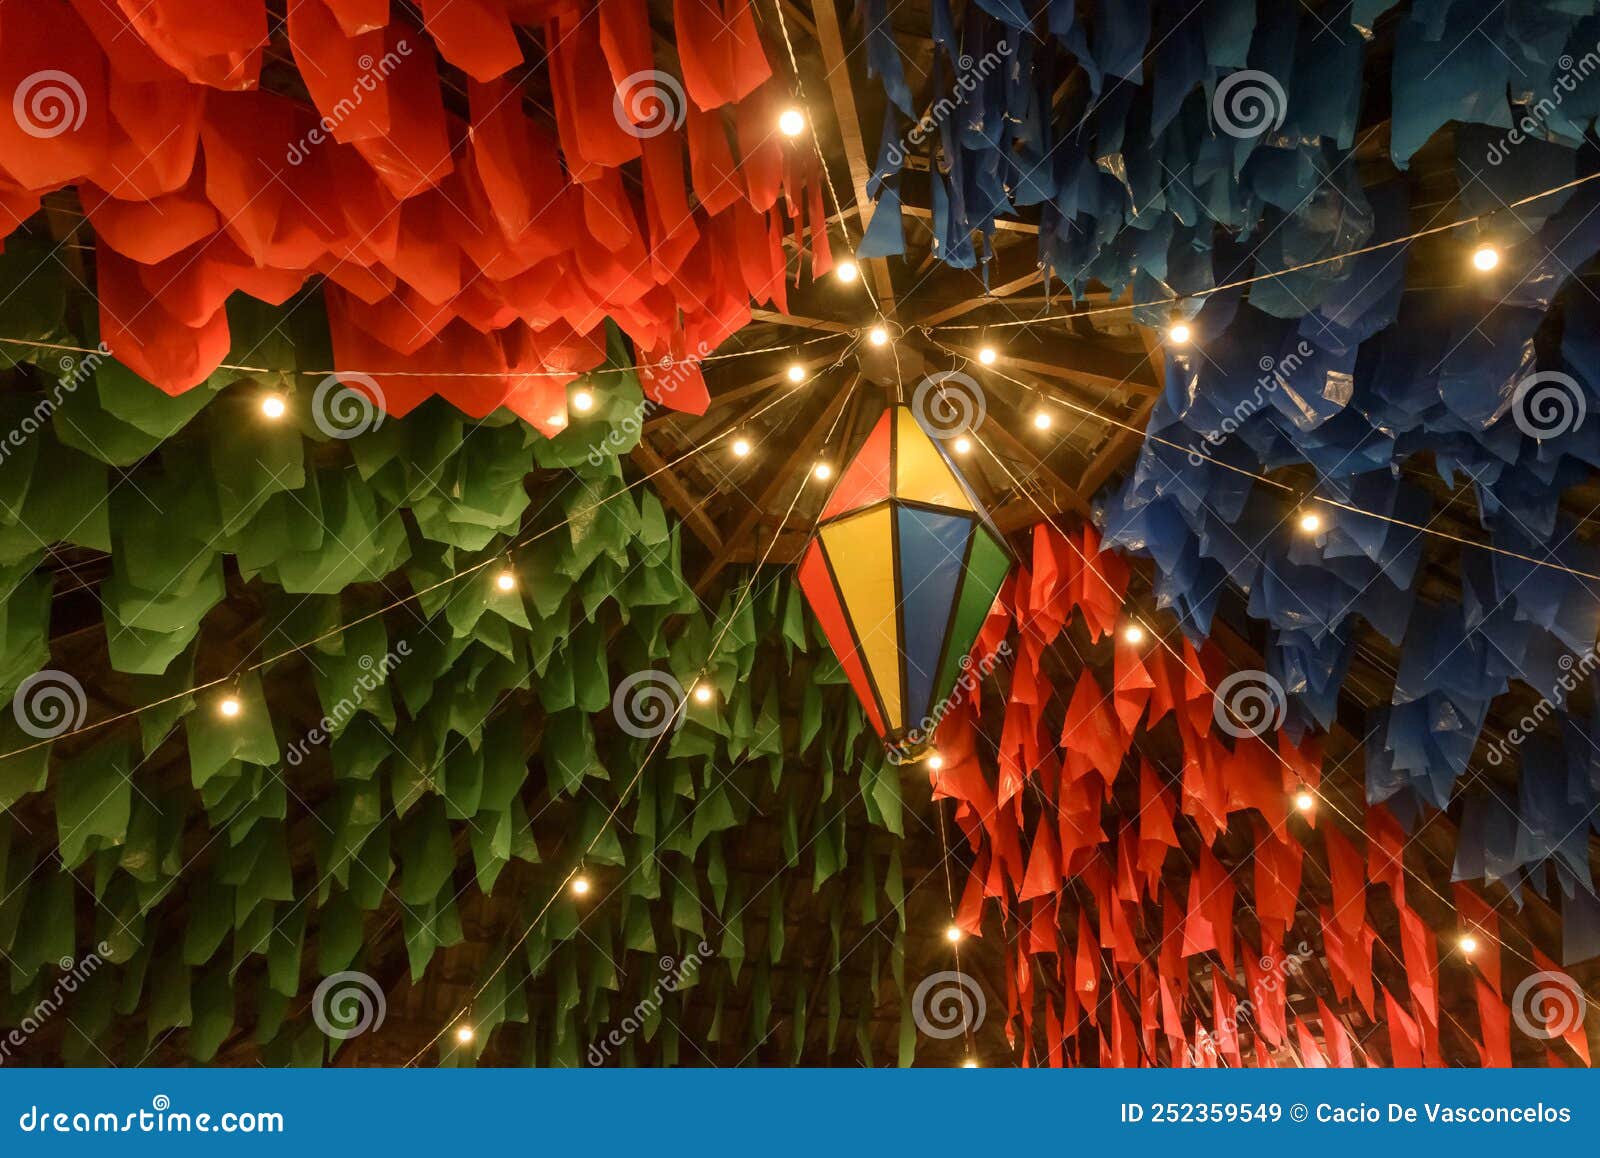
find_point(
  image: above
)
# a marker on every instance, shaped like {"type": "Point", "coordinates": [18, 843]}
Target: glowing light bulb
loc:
{"type": "Point", "coordinates": [229, 707]}
{"type": "Point", "coordinates": [878, 336]}
{"type": "Point", "coordinates": [1304, 801]}
{"type": "Point", "coordinates": [952, 934]}
{"type": "Point", "coordinates": [797, 373]}
{"type": "Point", "coordinates": [580, 886]}
{"type": "Point", "coordinates": [935, 761]}
{"type": "Point", "coordinates": [506, 580]}
{"type": "Point", "coordinates": [1041, 420]}
{"type": "Point", "coordinates": [465, 1033]}
{"type": "Point", "coordinates": [963, 445]}
{"type": "Point", "coordinates": [741, 446]}
{"type": "Point", "coordinates": [583, 401]}
{"type": "Point", "coordinates": [969, 1064]}
{"type": "Point", "coordinates": [1311, 522]}
{"type": "Point", "coordinates": [1468, 944]}
{"type": "Point", "coordinates": [1180, 333]}
{"type": "Point", "coordinates": [703, 693]}
{"type": "Point", "coordinates": [846, 271]}
{"type": "Point", "coordinates": [791, 122]}
{"type": "Point", "coordinates": [1485, 258]}
{"type": "Point", "coordinates": [987, 355]}
{"type": "Point", "coordinates": [273, 406]}
{"type": "Point", "coordinates": [1133, 633]}
{"type": "Point", "coordinates": [823, 471]}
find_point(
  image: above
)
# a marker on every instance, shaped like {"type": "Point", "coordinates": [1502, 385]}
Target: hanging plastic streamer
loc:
{"type": "Point", "coordinates": [1231, 156]}
{"type": "Point", "coordinates": [475, 257]}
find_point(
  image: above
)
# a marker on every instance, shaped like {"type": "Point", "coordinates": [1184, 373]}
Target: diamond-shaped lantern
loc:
{"type": "Point", "coordinates": [901, 575]}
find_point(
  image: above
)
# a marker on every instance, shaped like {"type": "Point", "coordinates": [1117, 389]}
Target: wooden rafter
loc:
{"type": "Point", "coordinates": [830, 38]}
{"type": "Point", "coordinates": [1121, 446]}
{"type": "Point", "coordinates": [1063, 495]}
{"type": "Point", "coordinates": [800, 322]}
{"type": "Point", "coordinates": [1126, 440]}
{"type": "Point", "coordinates": [1088, 363]}
{"type": "Point", "coordinates": [1013, 268]}
{"type": "Point", "coordinates": [677, 495]}
{"type": "Point", "coordinates": [783, 479]}
{"type": "Point", "coordinates": [761, 385]}
{"type": "Point", "coordinates": [1005, 224]}
{"type": "Point", "coordinates": [1005, 289]}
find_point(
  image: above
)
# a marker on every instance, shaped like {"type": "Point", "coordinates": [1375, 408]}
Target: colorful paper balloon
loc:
{"type": "Point", "coordinates": [901, 574]}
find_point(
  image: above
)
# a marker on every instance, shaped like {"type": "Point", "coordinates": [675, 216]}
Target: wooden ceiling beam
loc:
{"type": "Point", "coordinates": [1081, 362]}
{"type": "Point", "coordinates": [677, 495]}
{"type": "Point", "coordinates": [830, 38]}
{"type": "Point", "coordinates": [722, 398]}
{"type": "Point", "coordinates": [1003, 224]}
{"type": "Point", "coordinates": [800, 17]}
{"type": "Point", "coordinates": [781, 479]}
{"type": "Point", "coordinates": [992, 296]}
{"type": "Point", "coordinates": [1125, 443]}
{"type": "Point", "coordinates": [801, 322]}
{"type": "Point", "coordinates": [994, 437]}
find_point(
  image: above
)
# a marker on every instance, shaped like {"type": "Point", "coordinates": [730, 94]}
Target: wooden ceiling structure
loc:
{"type": "Point", "coordinates": [1100, 375]}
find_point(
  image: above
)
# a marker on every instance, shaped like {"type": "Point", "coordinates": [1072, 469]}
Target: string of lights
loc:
{"type": "Point", "coordinates": [661, 366]}
{"type": "Point", "coordinates": [846, 270]}
{"type": "Point", "coordinates": [505, 579]}
{"type": "Point", "coordinates": [792, 122]}
{"type": "Point", "coordinates": [1306, 800]}
{"type": "Point", "coordinates": [703, 693]}
{"type": "Point", "coordinates": [1485, 258]}
{"type": "Point", "coordinates": [1309, 520]}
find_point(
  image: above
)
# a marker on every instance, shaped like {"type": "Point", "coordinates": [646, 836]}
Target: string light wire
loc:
{"type": "Point", "coordinates": [1200, 676]}
{"type": "Point", "coordinates": [1272, 275]}
{"type": "Point", "coordinates": [1300, 497]}
{"type": "Point", "coordinates": [822, 161]}
{"type": "Point", "coordinates": [498, 557]}
{"type": "Point", "coordinates": [662, 366]}
{"type": "Point", "coordinates": [638, 774]}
